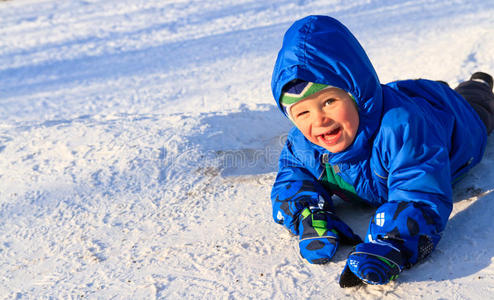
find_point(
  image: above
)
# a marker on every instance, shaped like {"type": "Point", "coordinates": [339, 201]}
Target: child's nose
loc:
{"type": "Point", "coordinates": [321, 119]}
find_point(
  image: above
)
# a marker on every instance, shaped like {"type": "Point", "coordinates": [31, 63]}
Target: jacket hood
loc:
{"type": "Point", "coordinates": [322, 50]}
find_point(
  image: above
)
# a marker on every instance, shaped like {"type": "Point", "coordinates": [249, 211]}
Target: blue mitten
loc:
{"type": "Point", "coordinates": [320, 233]}
{"type": "Point", "coordinates": [376, 262]}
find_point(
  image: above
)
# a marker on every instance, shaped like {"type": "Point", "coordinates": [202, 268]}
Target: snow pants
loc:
{"type": "Point", "coordinates": [481, 98]}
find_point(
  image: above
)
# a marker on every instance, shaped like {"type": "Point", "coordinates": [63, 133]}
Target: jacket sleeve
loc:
{"type": "Point", "coordinates": [295, 189]}
{"type": "Point", "coordinates": [419, 187]}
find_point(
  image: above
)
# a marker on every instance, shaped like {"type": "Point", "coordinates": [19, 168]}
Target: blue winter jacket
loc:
{"type": "Point", "coordinates": [415, 139]}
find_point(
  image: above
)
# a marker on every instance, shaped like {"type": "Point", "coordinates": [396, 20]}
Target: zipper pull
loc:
{"type": "Point", "coordinates": [325, 158]}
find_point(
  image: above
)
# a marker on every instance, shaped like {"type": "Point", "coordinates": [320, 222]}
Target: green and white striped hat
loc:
{"type": "Point", "coordinates": [296, 90]}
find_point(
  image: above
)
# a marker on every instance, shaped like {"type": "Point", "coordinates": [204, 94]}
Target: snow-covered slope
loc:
{"type": "Point", "coordinates": [139, 142]}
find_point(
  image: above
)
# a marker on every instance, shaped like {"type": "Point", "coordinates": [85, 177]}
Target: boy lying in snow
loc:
{"type": "Point", "coordinates": [399, 146]}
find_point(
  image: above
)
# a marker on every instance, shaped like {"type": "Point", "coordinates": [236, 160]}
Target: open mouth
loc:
{"type": "Point", "coordinates": [330, 138]}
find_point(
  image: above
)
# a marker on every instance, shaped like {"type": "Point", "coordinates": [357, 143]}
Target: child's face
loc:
{"type": "Point", "coordinates": [328, 118]}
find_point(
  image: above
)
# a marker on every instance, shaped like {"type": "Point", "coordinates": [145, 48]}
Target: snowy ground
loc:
{"type": "Point", "coordinates": [139, 142]}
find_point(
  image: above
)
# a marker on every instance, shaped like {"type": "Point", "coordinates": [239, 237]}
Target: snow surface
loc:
{"type": "Point", "coordinates": [139, 141]}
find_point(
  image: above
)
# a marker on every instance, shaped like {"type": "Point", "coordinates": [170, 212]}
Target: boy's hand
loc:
{"type": "Point", "coordinates": [372, 263]}
{"type": "Point", "coordinates": [320, 234]}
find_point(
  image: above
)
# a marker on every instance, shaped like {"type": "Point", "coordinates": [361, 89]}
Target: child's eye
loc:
{"type": "Point", "coordinates": [302, 113]}
{"type": "Point", "coordinates": [329, 101]}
